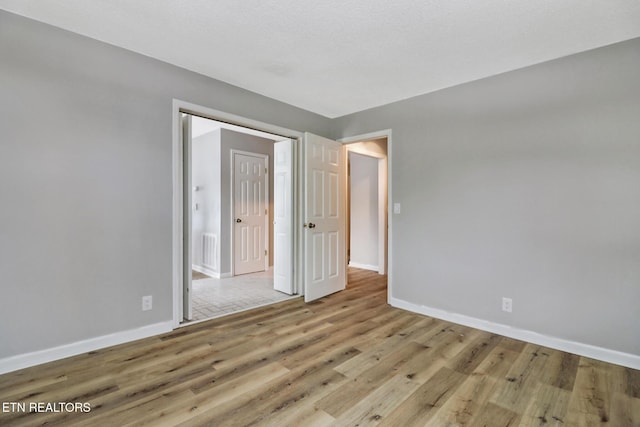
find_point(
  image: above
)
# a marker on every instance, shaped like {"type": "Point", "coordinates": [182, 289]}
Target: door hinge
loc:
{"type": "Point", "coordinates": [265, 251]}
{"type": "Point", "coordinates": [266, 211]}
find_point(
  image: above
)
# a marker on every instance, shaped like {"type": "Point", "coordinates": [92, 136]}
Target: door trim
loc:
{"type": "Point", "coordinates": [265, 158]}
{"type": "Point", "coordinates": [179, 106]}
{"type": "Point", "coordinates": [386, 133]}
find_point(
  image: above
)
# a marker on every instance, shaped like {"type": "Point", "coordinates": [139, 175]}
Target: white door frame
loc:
{"type": "Point", "coordinates": [178, 107]}
{"type": "Point", "coordinates": [283, 175]}
{"type": "Point", "coordinates": [265, 157]}
{"type": "Point", "coordinates": [386, 133]}
{"type": "Point", "coordinates": [187, 257]}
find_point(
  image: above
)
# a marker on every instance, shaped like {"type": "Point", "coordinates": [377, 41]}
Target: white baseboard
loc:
{"type": "Point", "coordinates": [205, 270]}
{"type": "Point", "coordinates": [581, 349]}
{"type": "Point", "coordinates": [13, 363]}
{"type": "Point", "coordinates": [209, 272]}
{"type": "Point", "coordinates": [363, 266]}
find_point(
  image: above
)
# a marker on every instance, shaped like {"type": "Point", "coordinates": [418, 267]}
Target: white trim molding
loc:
{"type": "Point", "coordinates": [213, 274]}
{"type": "Point", "coordinates": [581, 349]}
{"type": "Point", "coordinates": [363, 266]}
{"type": "Point", "coordinates": [21, 361]}
{"type": "Point", "coordinates": [206, 271]}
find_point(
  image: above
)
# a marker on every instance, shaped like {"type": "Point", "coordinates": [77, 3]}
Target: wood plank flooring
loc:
{"type": "Point", "coordinates": [346, 360]}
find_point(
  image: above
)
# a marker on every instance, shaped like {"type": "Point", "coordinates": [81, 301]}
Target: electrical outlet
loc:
{"type": "Point", "coordinates": [507, 304]}
{"type": "Point", "coordinates": [147, 303]}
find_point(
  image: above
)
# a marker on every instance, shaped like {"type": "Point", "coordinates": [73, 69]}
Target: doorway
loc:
{"type": "Point", "coordinates": [310, 267]}
{"type": "Point", "coordinates": [367, 194]}
{"type": "Point", "coordinates": [207, 225]}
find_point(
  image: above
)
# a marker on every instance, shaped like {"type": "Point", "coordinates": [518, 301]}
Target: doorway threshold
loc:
{"type": "Point", "coordinates": [213, 298]}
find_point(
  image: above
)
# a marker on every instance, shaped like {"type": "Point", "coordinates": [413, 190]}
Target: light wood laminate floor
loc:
{"type": "Point", "coordinates": [346, 360]}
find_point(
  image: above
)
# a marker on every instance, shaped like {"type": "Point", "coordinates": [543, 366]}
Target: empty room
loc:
{"type": "Point", "coordinates": [444, 197]}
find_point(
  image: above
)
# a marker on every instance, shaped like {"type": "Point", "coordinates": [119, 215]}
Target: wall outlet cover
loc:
{"type": "Point", "coordinates": [507, 304]}
{"type": "Point", "coordinates": [147, 303]}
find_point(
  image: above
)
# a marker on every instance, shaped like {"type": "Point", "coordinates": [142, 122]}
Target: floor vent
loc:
{"type": "Point", "coordinates": [209, 251]}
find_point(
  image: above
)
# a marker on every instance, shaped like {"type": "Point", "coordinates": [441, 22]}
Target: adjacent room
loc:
{"type": "Point", "coordinates": [224, 280]}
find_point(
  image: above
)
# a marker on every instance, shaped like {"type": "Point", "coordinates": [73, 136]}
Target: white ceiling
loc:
{"type": "Point", "coordinates": [336, 57]}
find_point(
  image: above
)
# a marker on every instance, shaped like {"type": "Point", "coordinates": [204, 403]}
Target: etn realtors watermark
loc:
{"type": "Point", "coordinates": [46, 407]}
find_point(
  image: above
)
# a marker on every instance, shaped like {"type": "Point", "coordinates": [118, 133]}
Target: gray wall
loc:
{"type": "Point", "coordinates": [86, 181]}
{"type": "Point", "coordinates": [524, 185]}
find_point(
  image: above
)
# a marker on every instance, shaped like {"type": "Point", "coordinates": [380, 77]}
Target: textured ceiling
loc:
{"type": "Point", "coordinates": [338, 57]}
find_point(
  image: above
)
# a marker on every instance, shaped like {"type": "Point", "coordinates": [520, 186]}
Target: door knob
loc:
{"type": "Point", "coordinates": [238, 220]}
{"type": "Point", "coordinates": [312, 225]}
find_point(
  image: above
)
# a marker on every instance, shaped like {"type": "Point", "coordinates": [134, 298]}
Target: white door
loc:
{"type": "Point", "coordinates": [187, 313]}
{"type": "Point", "coordinates": [283, 217]}
{"type": "Point", "coordinates": [249, 212]}
{"type": "Point", "coordinates": [324, 210]}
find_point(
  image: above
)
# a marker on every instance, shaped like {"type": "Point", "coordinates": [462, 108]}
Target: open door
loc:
{"type": "Point", "coordinates": [324, 213]}
{"type": "Point", "coordinates": [283, 217]}
{"type": "Point", "coordinates": [187, 312]}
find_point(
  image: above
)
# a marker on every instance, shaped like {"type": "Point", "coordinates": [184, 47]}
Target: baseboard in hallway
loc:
{"type": "Point", "coordinates": [196, 275]}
